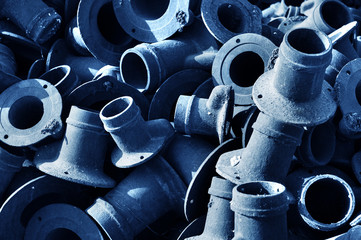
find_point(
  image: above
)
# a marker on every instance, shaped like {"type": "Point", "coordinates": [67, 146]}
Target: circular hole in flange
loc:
{"type": "Point", "coordinates": [150, 10]}
{"type": "Point", "coordinates": [108, 25]}
{"type": "Point", "coordinates": [26, 112]}
{"type": "Point", "coordinates": [134, 71]}
{"type": "Point", "coordinates": [327, 201]}
{"type": "Point", "coordinates": [308, 41]}
{"type": "Point", "coordinates": [246, 68]}
{"type": "Point", "coordinates": [61, 234]}
{"type": "Point", "coordinates": [231, 17]}
{"type": "Point", "coordinates": [335, 14]}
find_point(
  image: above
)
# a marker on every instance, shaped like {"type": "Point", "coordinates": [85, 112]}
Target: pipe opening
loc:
{"type": "Point", "coordinates": [26, 112]}
{"type": "Point", "coordinates": [246, 68]}
{"type": "Point", "coordinates": [150, 10]}
{"type": "Point", "coordinates": [108, 25]}
{"type": "Point", "coordinates": [55, 75]}
{"type": "Point", "coordinates": [61, 234]}
{"type": "Point", "coordinates": [308, 41]}
{"type": "Point", "coordinates": [134, 71]}
{"type": "Point", "coordinates": [327, 201]}
{"type": "Point", "coordinates": [322, 143]}
{"type": "Point", "coordinates": [358, 92]}
{"type": "Point", "coordinates": [335, 14]}
{"type": "Point", "coordinates": [295, 3]}
{"type": "Point", "coordinates": [232, 18]}
{"type": "Point", "coordinates": [117, 107]}
{"type": "Point", "coordinates": [261, 188]}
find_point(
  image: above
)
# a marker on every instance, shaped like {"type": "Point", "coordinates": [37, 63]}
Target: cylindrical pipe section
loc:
{"type": "Point", "coordinates": [260, 211]}
{"type": "Point", "coordinates": [7, 60]}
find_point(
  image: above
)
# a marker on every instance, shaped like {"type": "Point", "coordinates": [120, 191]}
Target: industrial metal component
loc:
{"type": "Point", "coordinates": [155, 22]}
{"type": "Point", "coordinates": [137, 140]}
{"type": "Point", "coordinates": [337, 63]}
{"type": "Point", "coordinates": [100, 31]}
{"type": "Point", "coordinates": [21, 126]}
{"type": "Point", "coordinates": [84, 67]}
{"type": "Point", "coordinates": [220, 219]}
{"type": "Point", "coordinates": [194, 228]}
{"type": "Point", "coordinates": [318, 145]}
{"type": "Point", "coordinates": [61, 221]}
{"type": "Point", "coordinates": [239, 62]}
{"type": "Point", "coordinates": [7, 60]}
{"type": "Point", "coordinates": [6, 80]}
{"type": "Point", "coordinates": [260, 211]}
{"type": "Point", "coordinates": [242, 121]}
{"type": "Point", "coordinates": [79, 157]}
{"type": "Point", "coordinates": [183, 82]}
{"type": "Point", "coordinates": [146, 66]}
{"type": "Point", "coordinates": [353, 233]}
{"type": "Point", "coordinates": [74, 40]}
{"type": "Point", "coordinates": [63, 78]}
{"type": "Point", "coordinates": [348, 92]}
{"type": "Point", "coordinates": [147, 193]}
{"type": "Point", "coordinates": [185, 154]}
{"type": "Point", "coordinates": [295, 91]}
{"type": "Point", "coordinates": [225, 19]}
{"type": "Point", "coordinates": [35, 18]}
{"type": "Point", "coordinates": [356, 166]}
{"type": "Point", "coordinates": [210, 117]}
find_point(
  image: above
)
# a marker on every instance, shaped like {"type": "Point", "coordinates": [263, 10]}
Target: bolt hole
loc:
{"type": "Point", "coordinates": [329, 89]}
{"type": "Point", "coordinates": [6, 136]}
{"type": "Point", "coordinates": [348, 72]}
{"type": "Point", "coordinates": [260, 96]}
{"type": "Point", "coordinates": [238, 178]}
{"type": "Point", "coordinates": [238, 41]}
{"type": "Point", "coordinates": [45, 86]}
{"type": "Point", "coordinates": [66, 173]}
{"type": "Point", "coordinates": [133, 30]}
{"type": "Point", "coordinates": [141, 157]}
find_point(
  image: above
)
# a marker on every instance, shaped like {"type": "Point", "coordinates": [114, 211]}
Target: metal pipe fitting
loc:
{"type": "Point", "coordinates": [267, 155]}
{"type": "Point", "coordinates": [147, 193]}
{"type": "Point", "coordinates": [337, 63]}
{"type": "Point", "coordinates": [35, 18]}
{"type": "Point", "coordinates": [74, 40]}
{"type": "Point", "coordinates": [30, 112]}
{"type": "Point", "coordinates": [100, 31]}
{"type": "Point", "coordinates": [7, 80]}
{"type": "Point", "coordinates": [61, 221]}
{"type": "Point", "coordinates": [356, 166]}
{"type": "Point", "coordinates": [324, 202]}
{"type": "Point", "coordinates": [318, 145]}
{"type": "Point", "coordinates": [210, 117]}
{"type": "Point", "coordinates": [7, 60]}
{"type": "Point", "coordinates": [84, 67]}
{"type": "Point", "coordinates": [294, 91]}
{"type": "Point", "coordinates": [146, 66]}
{"type": "Point", "coordinates": [260, 211]}
{"type": "Point", "coordinates": [137, 140]}
{"type": "Point", "coordinates": [348, 92]}
{"type": "Point", "coordinates": [220, 218]}
{"type": "Point", "coordinates": [225, 19]}
{"type": "Point", "coordinates": [63, 78]}
{"type": "Point", "coordinates": [239, 62]}
{"type": "Point", "coordinates": [79, 157]}
{"type": "Point", "coordinates": [353, 233]}
{"type": "Point", "coordinates": [152, 22]}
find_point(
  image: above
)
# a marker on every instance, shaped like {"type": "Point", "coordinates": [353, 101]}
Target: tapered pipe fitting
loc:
{"type": "Point", "coordinates": [239, 62]}
{"type": "Point", "coordinates": [29, 112]}
{"type": "Point", "coordinates": [227, 18]}
{"type": "Point", "coordinates": [155, 22]}
{"type": "Point", "coordinates": [150, 191]}
{"type": "Point", "coordinates": [267, 156]}
{"type": "Point", "coordinates": [348, 92]}
{"type": "Point", "coordinates": [7, 60]}
{"type": "Point", "coordinates": [137, 140]}
{"type": "Point", "coordinates": [260, 211]}
{"type": "Point", "coordinates": [79, 157]}
{"type": "Point", "coordinates": [35, 18]}
{"type": "Point", "coordinates": [220, 218]}
{"type": "Point", "coordinates": [295, 91]}
{"type": "Point", "coordinates": [210, 117]}
{"type": "Point", "coordinates": [146, 66]}
{"type": "Point", "coordinates": [100, 31]}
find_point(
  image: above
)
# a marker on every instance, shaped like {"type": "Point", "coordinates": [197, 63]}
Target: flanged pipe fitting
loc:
{"type": "Point", "coordinates": [35, 18]}
{"type": "Point", "coordinates": [295, 91]}
{"type": "Point", "coordinates": [100, 31]}
{"type": "Point", "coordinates": [29, 112]}
{"type": "Point", "coordinates": [150, 191]}
{"type": "Point", "coordinates": [137, 140]}
{"type": "Point", "coordinates": [146, 66]}
{"type": "Point", "coordinates": [74, 40]}
{"type": "Point", "coordinates": [260, 210]}
{"type": "Point", "coordinates": [239, 62]}
{"type": "Point", "coordinates": [79, 157]}
{"type": "Point", "coordinates": [61, 221]}
{"type": "Point", "coordinates": [348, 91]}
{"type": "Point", "coordinates": [220, 218]}
{"type": "Point", "coordinates": [225, 19]}
{"type": "Point", "coordinates": [353, 233]}
{"type": "Point", "coordinates": [7, 60]}
{"type": "Point", "coordinates": [152, 22]}
{"type": "Point", "coordinates": [210, 117]}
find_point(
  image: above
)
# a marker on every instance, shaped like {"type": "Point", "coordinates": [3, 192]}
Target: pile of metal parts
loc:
{"type": "Point", "coordinates": [180, 119]}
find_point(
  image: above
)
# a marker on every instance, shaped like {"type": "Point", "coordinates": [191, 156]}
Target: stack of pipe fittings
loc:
{"type": "Point", "coordinates": [180, 120]}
